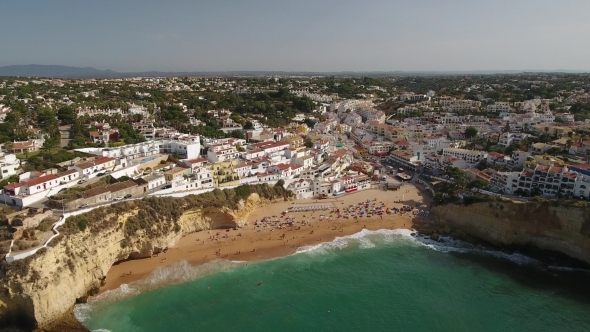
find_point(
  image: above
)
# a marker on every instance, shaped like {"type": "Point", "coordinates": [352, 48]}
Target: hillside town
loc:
{"type": "Point", "coordinates": [72, 144]}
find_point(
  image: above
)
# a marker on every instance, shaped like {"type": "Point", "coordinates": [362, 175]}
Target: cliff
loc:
{"type": "Point", "coordinates": [43, 288]}
{"type": "Point", "coordinates": [563, 229]}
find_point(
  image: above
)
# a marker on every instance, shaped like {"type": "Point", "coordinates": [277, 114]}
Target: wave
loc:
{"type": "Point", "coordinates": [160, 277]}
{"type": "Point", "coordinates": [363, 238]}
{"type": "Point", "coordinates": [183, 271]}
{"type": "Point", "coordinates": [366, 239]}
{"type": "Point", "coordinates": [452, 245]}
{"type": "Point", "coordinates": [568, 269]}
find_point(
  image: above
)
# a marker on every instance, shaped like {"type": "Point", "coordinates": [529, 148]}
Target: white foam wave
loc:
{"type": "Point", "coordinates": [452, 245]}
{"type": "Point", "coordinates": [363, 238]}
{"type": "Point", "coordinates": [162, 276]}
{"type": "Point", "coordinates": [101, 330]}
{"type": "Point", "coordinates": [568, 269]}
{"type": "Point", "coordinates": [169, 275]}
{"type": "Point", "coordinates": [82, 312]}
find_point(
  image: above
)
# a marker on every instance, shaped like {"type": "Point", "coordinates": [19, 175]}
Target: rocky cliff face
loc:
{"type": "Point", "coordinates": [562, 229]}
{"type": "Point", "coordinates": [53, 281]}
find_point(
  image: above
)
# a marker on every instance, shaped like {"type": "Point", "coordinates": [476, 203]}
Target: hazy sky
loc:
{"type": "Point", "coordinates": [298, 35]}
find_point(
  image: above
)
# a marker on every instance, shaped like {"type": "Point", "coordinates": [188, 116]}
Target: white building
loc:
{"type": "Point", "coordinates": [187, 147]}
{"type": "Point", "coordinates": [497, 107]}
{"type": "Point", "coordinates": [90, 169]}
{"type": "Point", "coordinates": [222, 155]}
{"type": "Point", "coordinates": [9, 164]}
{"type": "Point", "coordinates": [470, 156]}
{"type": "Point", "coordinates": [508, 139]}
{"type": "Point", "coordinates": [154, 181]}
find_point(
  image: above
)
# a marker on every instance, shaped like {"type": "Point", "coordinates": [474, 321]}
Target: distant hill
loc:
{"type": "Point", "coordinates": [56, 71]}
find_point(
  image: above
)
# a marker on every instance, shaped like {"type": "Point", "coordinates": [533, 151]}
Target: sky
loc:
{"type": "Point", "coordinates": [298, 35]}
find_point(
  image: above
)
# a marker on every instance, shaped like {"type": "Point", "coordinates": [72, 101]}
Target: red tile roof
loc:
{"type": "Point", "coordinates": [40, 180]}
{"type": "Point", "coordinates": [13, 185]}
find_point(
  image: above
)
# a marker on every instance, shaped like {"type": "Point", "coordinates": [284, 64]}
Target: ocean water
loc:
{"type": "Point", "coordinates": [370, 281]}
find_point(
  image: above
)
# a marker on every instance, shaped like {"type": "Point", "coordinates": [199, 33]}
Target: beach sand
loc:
{"type": "Point", "coordinates": [261, 243]}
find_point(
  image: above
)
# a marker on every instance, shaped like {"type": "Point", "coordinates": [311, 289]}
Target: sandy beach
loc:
{"type": "Point", "coordinates": [266, 240]}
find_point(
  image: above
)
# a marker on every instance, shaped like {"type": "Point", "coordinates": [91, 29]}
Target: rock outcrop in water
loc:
{"type": "Point", "coordinates": [41, 289]}
{"type": "Point", "coordinates": [563, 229]}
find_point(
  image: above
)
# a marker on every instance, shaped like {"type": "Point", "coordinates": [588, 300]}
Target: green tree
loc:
{"type": "Point", "coordinates": [66, 115]}
{"type": "Point", "coordinates": [237, 134]}
{"type": "Point", "coordinates": [477, 183]}
{"type": "Point", "coordinates": [470, 132]}
{"type": "Point", "coordinates": [50, 143]}
{"type": "Point", "coordinates": [308, 143]}
{"type": "Point", "coordinates": [457, 175]}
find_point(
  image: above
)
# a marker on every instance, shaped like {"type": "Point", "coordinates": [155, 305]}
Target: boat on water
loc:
{"type": "Point", "coordinates": [339, 193]}
{"type": "Point", "coordinates": [351, 190]}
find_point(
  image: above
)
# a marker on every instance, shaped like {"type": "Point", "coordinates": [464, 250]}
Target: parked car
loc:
{"type": "Point", "coordinates": [127, 196]}
{"type": "Point", "coordinates": [83, 206]}
{"type": "Point", "coordinates": [168, 186]}
{"type": "Point", "coordinates": [81, 181]}
{"type": "Point", "coordinates": [118, 198]}
{"type": "Point", "coordinates": [100, 174]}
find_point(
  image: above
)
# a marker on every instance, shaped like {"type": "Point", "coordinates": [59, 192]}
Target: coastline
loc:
{"type": "Point", "coordinates": [258, 243]}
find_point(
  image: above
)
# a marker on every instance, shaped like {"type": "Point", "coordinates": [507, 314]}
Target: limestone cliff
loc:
{"type": "Point", "coordinates": [48, 284]}
{"type": "Point", "coordinates": [564, 229]}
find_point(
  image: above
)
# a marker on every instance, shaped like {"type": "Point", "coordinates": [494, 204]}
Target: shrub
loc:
{"type": "Point", "coordinates": [125, 243]}
{"type": "Point", "coordinates": [45, 224]}
{"type": "Point", "coordinates": [82, 224]}
{"type": "Point", "coordinates": [5, 233]}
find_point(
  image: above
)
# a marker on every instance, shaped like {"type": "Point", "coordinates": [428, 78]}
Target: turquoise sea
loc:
{"type": "Point", "coordinates": [370, 281]}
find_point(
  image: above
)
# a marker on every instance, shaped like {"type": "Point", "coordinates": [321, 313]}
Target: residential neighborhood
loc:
{"type": "Point", "coordinates": [309, 133]}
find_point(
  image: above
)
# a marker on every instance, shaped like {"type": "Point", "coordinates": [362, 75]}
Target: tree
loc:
{"type": "Point", "coordinates": [49, 143]}
{"type": "Point", "coordinates": [477, 183]}
{"type": "Point", "coordinates": [8, 146]}
{"type": "Point", "coordinates": [66, 115]}
{"type": "Point", "coordinates": [308, 143]}
{"type": "Point", "coordinates": [248, 125]}
{"type": "Point", "coordinates": [237, 134]}
{"type": "Point", "coordinates": [310, 123]}
{"type": "Point", "coordinates": [280, 183]}
{"type": "Point", "coordinates": [483, 164]}
{"type": "Point", "coordinates": [456, 174]}
{"type": "Point", "coordinates": [470, 132]}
